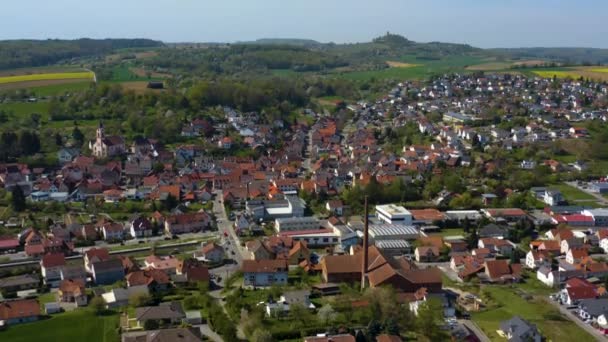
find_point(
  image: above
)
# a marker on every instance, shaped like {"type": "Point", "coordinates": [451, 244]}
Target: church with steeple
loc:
{"type": "Point", "coordinates": [106, 146]}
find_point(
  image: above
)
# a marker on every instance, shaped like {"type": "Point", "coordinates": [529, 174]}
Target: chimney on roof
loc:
{"type": "Point", "coordinates": [365, 247]}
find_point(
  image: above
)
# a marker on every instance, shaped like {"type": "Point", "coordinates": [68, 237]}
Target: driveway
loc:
{"type": "Point", "coordinates": [206, 331]}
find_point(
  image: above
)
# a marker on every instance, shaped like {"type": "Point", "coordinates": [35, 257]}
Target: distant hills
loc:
{"type": "Point", "coordinates": [560, 54]}
{"type": "Point", "coordinates": [33, 53]}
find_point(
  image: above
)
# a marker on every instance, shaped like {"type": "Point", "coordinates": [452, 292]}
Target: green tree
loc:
{"type": "Point", "coordinates": [326, 314]}
{"type": "Point", "coordinates": [18, 199]}
{"type": "Point", "coordinates": [77, 136]}
{"type": "Point", "coordinates": [98, 305]}
{"type": "Point", "coordinates": [429, 320]}
{"type": "Point", "coordinates": [261, 335]}
{"type": "Point", "coordinates": [139, 300]}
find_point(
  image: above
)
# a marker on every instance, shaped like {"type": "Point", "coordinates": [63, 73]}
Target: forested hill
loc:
{"type": "Point", "coordinates": [32, 53]}
{"type": "Point", "coordinates": [286, 41]}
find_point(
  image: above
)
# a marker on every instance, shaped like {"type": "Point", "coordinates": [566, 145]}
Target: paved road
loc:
{"type": "Point", "coordinates": [475, 329]}
{"type": "Point", "coordinates": [225, 225]}
{"type": "Point", "coordinates": [212, 335]}
{"type": "Point", "coordinates": [596, 334]}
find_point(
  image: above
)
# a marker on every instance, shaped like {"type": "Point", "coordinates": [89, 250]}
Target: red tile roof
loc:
{"type": "Point", "coordinates": [19, 309]}
{"type": "Point", "coordinates": [53, 260]}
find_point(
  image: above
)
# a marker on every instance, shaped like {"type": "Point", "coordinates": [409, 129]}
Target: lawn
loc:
{"type": "Point", "coordinates": [572, 193]}
{"type": "Point", "coordinates": [78, 325]}
{"type": "Point", "coordinates": [551, 323]}
{"type": "Point", "coordinates": [451, 232]}
{"type": "Point", "coordinates": [26, 108]}
{"type": "Point", "coordinates": [45, 77]}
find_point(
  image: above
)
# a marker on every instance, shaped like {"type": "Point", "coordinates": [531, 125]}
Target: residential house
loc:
{"type": "Point", "coordinates": [66, 155]}
{"type": "Point", "coordinates": [112, 231]}
{"type": "Point", "coordinates": [211, 252]}
{"type": "Point", "coordinates": [153, 280]}
{"type": "Point", "coordinates": [140, 227]}
{"type": "Point", "coordinates": [165, 314]}
{"type": "Point", "coordinates": [553, 197]}
{"type": "Point", "coordinates": [282, 306]}
{"type": "Point", "coordinates": [298, 253]}
{"type": "Point", "coordinates": [19, 311]}
{"type": "Point", "coordinates": [500, 271]}
{"type": "Point", "coordinates": [500, 246]}
{"type": "Point", "coordinates": [187, 223]}
{"type": "Point", "coordinates": [73, 291]}
{"type": "Point", "coordinates": [94, 255]}
{"type": "Point", "coordinates": [18, 283]}
{"type": "Point", "coordinates": [576, 255]}
{"type": "Point", "coordinates": [107, 272]}
{"type": "Point", "coordinates": [336, 207]}
{"type": "Point", "coordinates": [426, 254]}
{"type": "Point", "coordinates": [536, 259]}
{"type": "Point", "coordinates": [593, 309]}
{"type": "Point", "coordinates": [167, 264]}
{"type": "Point", "coordinates": [191, 271]}
{"type": "Point", "coordinates": [50, 268]}
{"type": "Point", "coordinates": [577, 289]}
{"type": "Point", "coordinates": [516, 329]}
{"type": "Point", "coordinates": [264, 272]}
{"type": "Point", "coordinates": [167, 335]}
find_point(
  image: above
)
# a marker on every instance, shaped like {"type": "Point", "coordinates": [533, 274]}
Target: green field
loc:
{"type": "Point", "coordinates": [59, 89]}
{"type": "Point", "coordinates": [572, 193]}
{"type": "Point", "coordinates": [26, 108]}
{"type": "Point", "coordinates": [79, 325]}
{"type": "Point", "coordinates": [547, 318]}
{"type": "Point", "coordinates": [423, 68]}
{"type": "Point", "coordinates": [600, 70]}
{"type": "Point", "coordinates": [47, 77]}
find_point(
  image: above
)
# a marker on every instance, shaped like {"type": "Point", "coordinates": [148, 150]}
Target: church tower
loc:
{"type": "Point", "coordinates": [100, 132]}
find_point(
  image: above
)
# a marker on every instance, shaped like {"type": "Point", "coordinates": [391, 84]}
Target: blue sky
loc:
{"type": "Point", "coordinates": [482, 23]}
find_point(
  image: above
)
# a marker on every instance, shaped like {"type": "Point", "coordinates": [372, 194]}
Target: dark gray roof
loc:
{"type": "Point", "coordinates": [172, 310]}
{"type": "Point", "coordinates": [518, 328]}
{"type": "Point", "coordinates": [594, 307]}
{"type": "Point", "coordinates": [167, 335]}
{"type": "Point", "coordinates": [492, 230]}
{"type": "Point", "coordinates": [19, 280]}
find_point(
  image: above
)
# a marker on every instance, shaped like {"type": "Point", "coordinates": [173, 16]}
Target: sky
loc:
{"type": "Point", "coordinates": [481, 23]}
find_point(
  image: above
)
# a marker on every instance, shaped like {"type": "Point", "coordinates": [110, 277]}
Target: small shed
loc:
{"type": "Point", "coordinates": [194, 317]}
{"type": "Point", "coordinates": [52, 308]}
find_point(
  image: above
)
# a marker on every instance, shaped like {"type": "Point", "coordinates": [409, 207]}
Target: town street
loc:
{"type": "Point", "coordinates": [224, 225]}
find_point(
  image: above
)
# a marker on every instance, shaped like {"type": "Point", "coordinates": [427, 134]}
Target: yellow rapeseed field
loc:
{"type": "Point", "coordinates": [46, 77]}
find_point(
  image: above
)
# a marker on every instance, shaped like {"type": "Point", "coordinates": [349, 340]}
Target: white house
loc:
{"type": "Point", "coordinates": [553, 197]}
{"type": "Point", "coordinates": [546, 276]}
{"type": "Point", "coordinates": [604, 245]}
{"type": "Point", "coordinates": [282, 306]}
{"type": "Point", "coordinates": [536, 259]}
